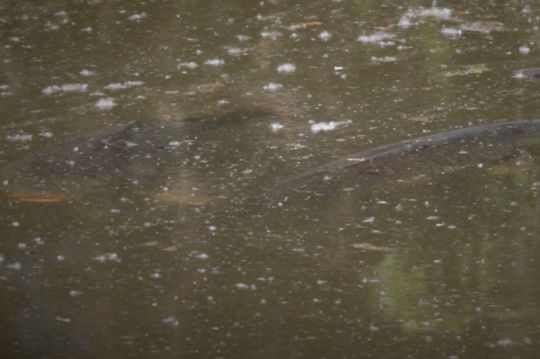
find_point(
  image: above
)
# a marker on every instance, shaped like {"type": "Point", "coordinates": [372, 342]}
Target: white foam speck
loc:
{"type": "Point", "coordinates": [112, 257]}
{"type": "Point", "coordinates": [242, 37]}
{"type": "Point", "coordinates": [202, 256]}
{"type": "Point", "coordinates": [406, 20]}
{"type": "Point", "coordinates": [276, 126]}
{"type": "Point", "coordinates": [368, 220]}
{"type": "Point", "coordinates": [244, 286]}
{"type": "Point", "coordinates": [14, 266]}
{"type": "Point", "coordinates": [274, 35]}
{"type": "Point", "coordinates": [451, 32]}
{"type": "Point", "coordinates": [325, 36]}
{"type": "Point", "coordinates": [46, 134]}
{"type": "Point", "coordinates": [272, 86]}
{"type": "Point", "coordinates": [374, 38]}
{"type": "Point", "coordinates": [189, 65]}
{"type": "Point", "coordinates": [123, 85]}
{"type": "Point", "coordinates": [51, 90]}
{"type": "Point", "coordinates": [171, 320]}
{"type": "Point", "coordinates": [19, 137]}
{"type": "Point", "coordinates": [383, 59]}
{"type": "Point", "coordinates": [105, 103]}
{"type": "Point", "coordinates": [328, 126]}
{"type": "Point", "coordinates": [86, 72]}
{"type": "Point", "coordinates": [214, 62]}
{"type": "Point", "coordinates": [288, 68]}
{"type": "Point", "coordinates": [524, 50]}
{"type": "Point", "coordinates": [236, 51]}
{"type": "Point", "coordinates": [137, 17]}
{"type": "Point", "coordinates": [75, 293]}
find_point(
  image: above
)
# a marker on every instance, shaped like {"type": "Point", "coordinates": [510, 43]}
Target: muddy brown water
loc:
{"type": "Point", "coordinates": [171, 261]}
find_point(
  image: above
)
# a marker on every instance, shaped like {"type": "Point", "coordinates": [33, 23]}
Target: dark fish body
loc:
{"type": "Point", "coordinates": [138, 155]}
{"type": "Point", "coordinates": [384, 165]}
{"type": "Point", "coordinates": [114, 156]}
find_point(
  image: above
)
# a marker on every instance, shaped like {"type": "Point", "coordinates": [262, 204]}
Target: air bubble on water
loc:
{"type": "Point", "coordinates": [287, 68]}
{"type": "Point", "coordinates": [19, 137]}
{"type": "Point", "coordinates": [115, 210]}
{"type": "Point", "coordinates": [21, 245]}
{"type": "Point", "coordinates": [368, 220]}
{"type": "Point", "coordinates": [524, 50]}
{"type": "Point", "coordinates": [383, 59]}
{"type": "Point", "coordinates": [214, 62]}
{"type": "Point", "coordinates": [242, 37]}
{"type": "Point", "coordinates": [451, 32]}
{"type": "Point", "coordinates": [272, 86]}
{"type": "Point", "coordinates": [60, 258]}
{"type": "Point", "coordinates": [189, 65]}
{"type": "Point", "coordinates": [75, 293]}
{"type": "Point", "coordinates": [112, 257]}
{"type": "Point", "coordinates": [15, 224]}
{"type": "Point", "coordinates": [325, 36]}
{"type": "Point", "coordinates": [212, 228]}
{"type": "Point", "coordinates": [105, 103]}
{"type": "Point", "coordinates": [115, 86]}
{"type": "Point", "coordinates": [276, 126]}
{"type": "Point", "coordinates": [75, 87]}
{"type": "Point", "coordinates": [505, 342]}
{"type": "Point", "coordinates": [86, 72]}
{"type": "Point", "coordinates": [375, 38]}
{"type": "Point", "coordinates": [328, 126]}
{"type": "Point", "coordinates": [155, 275]}
{"type": "Point", "coordinates": [236, 51]}
{"type": "Point", "coordinates": [171, 320]}
{"type": "Point", "coordinates": [137, 17]}
{"type": "Point", "coordinates": [274, 35]}
{"type": "Point", "coordinates": [14, 266]}
{"type": "Point", "coordinates": [46, 134]}
{"type": "Point", "coordinates": [202, 256]}
{"type": "Point", "coordinates": [39, 241]}
{"type": "Point", "coordinates": [243, 286]}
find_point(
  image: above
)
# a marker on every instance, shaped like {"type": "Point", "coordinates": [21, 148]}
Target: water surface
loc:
{"type": "Point", "coordinates": [174, 255]}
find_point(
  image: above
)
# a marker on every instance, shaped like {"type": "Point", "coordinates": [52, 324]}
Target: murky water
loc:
{"type": "Point", "coordinates": [140, 141]}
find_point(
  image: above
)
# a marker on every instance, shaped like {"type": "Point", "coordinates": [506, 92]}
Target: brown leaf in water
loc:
{"type": "Point", "coordinates": [38, 198]}
{"type": "Point", "coordinates": [312, 23]}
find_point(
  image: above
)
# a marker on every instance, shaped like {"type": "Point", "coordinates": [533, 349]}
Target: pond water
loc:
{"type": "Point", "coordinates": [140, 141]}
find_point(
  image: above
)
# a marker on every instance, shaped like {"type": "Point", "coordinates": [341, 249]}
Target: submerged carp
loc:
{"type": "Point", "coordinates": [138, 155]}
{"type": "Point", "coordinates": [389, 164]}
{"type": "Point", "coordinates": [77, 165]}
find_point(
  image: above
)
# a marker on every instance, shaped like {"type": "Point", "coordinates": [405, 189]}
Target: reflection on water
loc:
{"type": "Point", "coordinates": [139, 139]}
